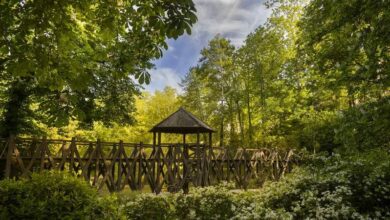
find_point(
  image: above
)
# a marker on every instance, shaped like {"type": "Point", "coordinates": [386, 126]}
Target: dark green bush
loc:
{"type": "Point", "coordinates": [206, 203]}
{"type": "Point", "coordinates": [149, 206]}
{"type": "Point", "coordinates": [366, 126]}
{"type": "Point", "coordinates": [53, 195]}
{"type": "Point", "coordinates": [315, 131]}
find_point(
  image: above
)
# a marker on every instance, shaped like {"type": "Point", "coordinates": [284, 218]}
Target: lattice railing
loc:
{"type": "Point", "coordinates": [167, 166]}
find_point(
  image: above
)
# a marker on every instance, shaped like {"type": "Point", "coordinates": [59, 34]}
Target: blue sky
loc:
{"type": "Point", "coordinates": [233, 19]}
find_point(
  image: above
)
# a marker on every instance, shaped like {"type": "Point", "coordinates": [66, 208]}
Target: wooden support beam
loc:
{"type": "Point", "coordinates": [186, 169]}
{"type": "Point", "coordinates": [159, 139]}
{"type": "Point", "coordinates": [210, 139]}
{"type": "Point", "coordinates": [8, 164]}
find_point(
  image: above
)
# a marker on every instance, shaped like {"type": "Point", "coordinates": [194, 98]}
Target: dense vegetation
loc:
{"type": "Point", "coordinates": [52, 195]}
{"type": "Point", "coordinates": [292, 84]}
{"type": "Point", "coordinates": [76, 59]}
{"type": "Point", "coordinates": [354, 187]}
{"type": "Point", "coordinates": [300, 80]}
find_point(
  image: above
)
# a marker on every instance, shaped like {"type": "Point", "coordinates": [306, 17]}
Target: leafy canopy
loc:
{"type": "Point", "coordinates": [77, 58]}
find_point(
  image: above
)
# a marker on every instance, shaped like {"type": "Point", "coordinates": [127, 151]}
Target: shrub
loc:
{"type": "Point", "coordinates": [215, 202]}
{"type": "Point", "coordinates": [53, 195]}
{"type": "Point", "coordinates": [315, 131]}
{"type": "Point", "coordinates": [351, 187]}
{"type": "Point", "coordinates": [148, 206]}
{"type": "Point", "coordinates": [366, 126]}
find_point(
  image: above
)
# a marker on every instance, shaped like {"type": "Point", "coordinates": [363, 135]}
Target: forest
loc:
{"type": "Point", "coordinates": [315, 77]}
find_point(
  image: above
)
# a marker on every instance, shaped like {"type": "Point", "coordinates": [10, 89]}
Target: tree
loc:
{"type": "Point", "coordinates": [75, 59]}
{"type": "Point", "coordinates": [350, 48]}
{"type": "Point", "coordinates": [212, 85]}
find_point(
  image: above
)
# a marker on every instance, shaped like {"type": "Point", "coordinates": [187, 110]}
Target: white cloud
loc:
{"type": "Point", "coordinates": [233, 19]}
{"type": "Point", "coordinates": [162, 77]}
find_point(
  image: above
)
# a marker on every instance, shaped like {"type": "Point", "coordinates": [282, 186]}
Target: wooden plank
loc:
{"type": "Point", "coordinates": [8, 164]}
{"type": "Point", "coordinates": [42, 154]}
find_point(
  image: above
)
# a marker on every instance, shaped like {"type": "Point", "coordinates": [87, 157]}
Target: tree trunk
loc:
{"type": "Point", "coordinates": [248, 105]}
{"type": "Point", "coordinates": [232, 138]}
{"type": "Point", "coordinates": [16, 109]}
{"type": "Point", "coordinates": [240, 123]}
{"type": "Point", "coordinates": [221, 134]}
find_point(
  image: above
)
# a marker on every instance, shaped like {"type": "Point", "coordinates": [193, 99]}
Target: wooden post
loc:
{"type": "Point", "coordinates": [185, 166]}
{"type": "Point", "coordinates": [208, 160]}
{"type": "Point", "coordinates": [199, 168]}
{"type": "Point", "coordinates": [11, 146]}
{"type": "Point", "coordinates": [159, 139]}
{"type": "Point", "coordinates": [210, 139]}
{"type": "Point", "coordinates": [153, 162]}
{"type": "Point", "coordinates": [120, 168]}
{"type": "Point", "coordinates": [140, 165]}
{"type": "Point", "coordinates": [154, 138]}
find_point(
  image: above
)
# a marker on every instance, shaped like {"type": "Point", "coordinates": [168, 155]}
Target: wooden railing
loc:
{"type": "Point", "coordinates": [167, 166]}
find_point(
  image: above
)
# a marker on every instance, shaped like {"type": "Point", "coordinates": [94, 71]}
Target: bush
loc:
{"type": "Point", "coordinates": [366, 126]}
{"type": "Point", "coordinates": [53, 195]}
{"type": "Point", "coordinates": [215, 202]}
{"type": "Point", "coordinates": [149, 206]}
{"type": "Point", "coordinates": [315, 131]}
{"type": "Point", "coordinates": [350, 187]}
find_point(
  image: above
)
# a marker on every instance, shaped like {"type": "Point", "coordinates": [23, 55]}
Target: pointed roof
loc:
{"type": "Point", "coordinates": [182, 122]}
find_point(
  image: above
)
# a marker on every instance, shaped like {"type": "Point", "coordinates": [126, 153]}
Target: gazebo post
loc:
{"type": "Point", "coordinates": [185, 165]}
{"type": "Point", "coordinates": [154, 139]}
{"type": "Point", "coordinates": [200, 160]}
{"type": "Point", "coordinates": [210, 139]}
{"type": "Point", "coordinates": [159, 138]}
{"type": "Point", "coordinates": [154, 153]}
{"type": "Point", "coordinates": [205, 179]}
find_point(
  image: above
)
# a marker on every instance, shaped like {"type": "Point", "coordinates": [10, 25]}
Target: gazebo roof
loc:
{"type": "Point", "coordinates": [182, 122]}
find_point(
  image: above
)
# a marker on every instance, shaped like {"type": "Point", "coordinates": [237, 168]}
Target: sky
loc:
{"type": "Point", "coordinates": [233, 19]}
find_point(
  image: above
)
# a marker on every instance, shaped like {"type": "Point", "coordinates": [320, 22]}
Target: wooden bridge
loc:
{"type": "Point", "coordinates": [170, 167]}
{"type": "Point", "coordinates": [160, 166]}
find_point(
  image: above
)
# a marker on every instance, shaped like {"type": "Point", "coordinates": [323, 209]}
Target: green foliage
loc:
{"type": "Point", "coordinates": [350, 47]}
{"type": "Point", "coordinates": [366, 126]}
{"type": "Point", "coordinates": [214, 202]}
{"type": "Point", "coordinates": [148, 207]}
{"type": "Point", "coordinates": [335, 187]}
{"type": "Point", "coordinates": [316, 131]}
{"type": "Point", "coordinates": [304, 79]}
{"type": "Point", "coordinates": [151, 109]}
{"type": "Point", "coordinates": [53, 195]}
{"type": "Point", "coordinates": [248, 94]}
{"type": "Point", "coordinates": [78, 57]}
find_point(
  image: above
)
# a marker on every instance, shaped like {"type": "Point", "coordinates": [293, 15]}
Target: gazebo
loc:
{"type": "Point", "coordinates": [181, 122]}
